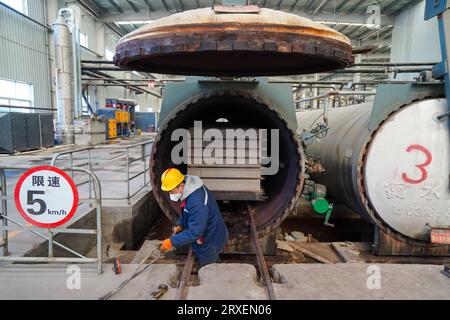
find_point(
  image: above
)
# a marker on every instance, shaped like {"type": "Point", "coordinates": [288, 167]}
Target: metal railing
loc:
{"type": "Point", "coordinates": [5, 219]}
{"type": "Point", "coordinates": [126, 152]}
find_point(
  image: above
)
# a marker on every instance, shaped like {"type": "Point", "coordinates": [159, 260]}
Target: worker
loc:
{"type": "Point", "coordinates": [201, 223]}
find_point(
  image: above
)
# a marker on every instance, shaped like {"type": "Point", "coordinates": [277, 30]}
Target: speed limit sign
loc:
{"type": "Point", "coordinates": [46, 196]}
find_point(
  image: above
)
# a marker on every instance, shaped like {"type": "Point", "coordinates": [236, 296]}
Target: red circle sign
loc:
{"type": "Point", "coordinates": [46, 196]}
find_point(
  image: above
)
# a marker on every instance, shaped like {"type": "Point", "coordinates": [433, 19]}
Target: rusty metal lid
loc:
{"type": "Point", "coordinates": [234, 41]}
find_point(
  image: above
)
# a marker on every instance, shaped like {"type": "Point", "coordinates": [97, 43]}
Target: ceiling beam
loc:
{"type": "Point", "coordinates": [359, 3]}
{"type": "Point", "coordinates": [378, 32]}
{"type": "Point", "coordinates": [405, 7]}
{"type": "Point", "coordinates": [308, 5]}
{"type": "Point", "coordinates": [389, 6]}
{"type": "Point", "coordinates": [339, 7]}
{"type": "Point", "coordinates": [367, 57]}
{"type": "Point", "coordinates": [133, 6]}
{"type": "Point", "coordinates": [147, 3]}
{"type": "Point", "coordinates": [95, 10]}
{"type": "Point", "coordinates": [322, 17]}
{"type": "Point", "coordinates": [116, 6]}
{"type": "Point", "coordinates": [182, 5]}
{"type": "Point", "coordinates": [320, 7]}
{"type": "Point", "coordinates": [374, 43]}
{"type": "Point", "coordinates": [91, 7]}
{"type": "Point", "coordinates": [293, 5]}
{"type": "Point", "coordinates": [164, 4]}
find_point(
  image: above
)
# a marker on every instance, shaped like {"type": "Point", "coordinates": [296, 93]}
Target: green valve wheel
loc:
{"type": "Point", "coordinates": [320, 205]}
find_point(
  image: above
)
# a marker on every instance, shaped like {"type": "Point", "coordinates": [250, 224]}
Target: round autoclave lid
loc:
{"type": "Point", "coordinates": [234, 41]}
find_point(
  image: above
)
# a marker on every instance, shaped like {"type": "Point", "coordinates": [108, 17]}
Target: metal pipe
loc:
{"type": "Point", "coordinates": [116, 79]}
{"type": "Point", "coordinates": [116, 85]}
{"type": "Point", "coordinates": [386, 70]}
{"type": "Point", "coordinates": [4, 211]}
{"type": "Point", "coordinates": [98, 61]}
{"type": "Point", "coordinates": [27, 108]}
{"type": "Point", "coordinates": [393, 64]}
{"type": "Point", "coordinates": [113, 79]}
{"type": "Point", "coordinates": [45, 260]}
{"type": "Point", "coordinates": [337, 93]}
{"type": "Point", "coordinates": [128, 175]}
{"type": "Point", "coordinates": [131, 80]}
{"type": "Point", "coordinates": [50, 243]}
{"type": "Point", "coordinates": [83, 68]}
{"type": "Point", "coordinates": [64, 94]}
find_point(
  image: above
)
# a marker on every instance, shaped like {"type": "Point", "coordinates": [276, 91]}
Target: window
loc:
{"type": "Point", "coordinates": [109, 54]}
{"type": "Point", "coordinates": [84, 39]}
{"type": "Point", "coordinates": [14, 93]}
{"type": "Point", "coordinates": [19, 5]}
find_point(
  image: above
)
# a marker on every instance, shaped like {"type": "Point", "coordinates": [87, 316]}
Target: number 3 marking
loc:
{"type": "Point", "coordinates": [419, 166]}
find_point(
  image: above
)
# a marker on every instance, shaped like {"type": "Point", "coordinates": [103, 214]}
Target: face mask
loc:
{"type": "Point", "coordinates": [175, 197]}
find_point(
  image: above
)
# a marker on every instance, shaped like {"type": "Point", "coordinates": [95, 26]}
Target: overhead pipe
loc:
{"type": "Point", "coordinates": [137, 90]}
{"type": "Point", "coordinates": [124, 82]}
{"type": "Point", "coordinates": [386, 70]}
{"type": "Point", "coordinates": [102, 69]}
{"type": "Point", "coordinates": [336, 93]}
{"type": "Point", "coordinates": [393, 64]}
{"type": "Point", "coordinates": [97, 61]}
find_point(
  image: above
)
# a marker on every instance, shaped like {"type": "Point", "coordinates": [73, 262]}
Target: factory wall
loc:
{"type": "Point", "coordinates": [24, 54]}
{"type": "Point", "coordinates": [27, 54]}
{"type": "Point", "coordinates": [414, 39]}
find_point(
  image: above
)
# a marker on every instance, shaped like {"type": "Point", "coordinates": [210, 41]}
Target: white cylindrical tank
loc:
{"type": "Point", "coordinates": [397, 176]}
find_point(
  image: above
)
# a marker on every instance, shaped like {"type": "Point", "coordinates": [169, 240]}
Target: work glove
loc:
{"type": "Point", "coordinates": [177, 229]}
{"type": "Point", "coordinates": [166, 245]}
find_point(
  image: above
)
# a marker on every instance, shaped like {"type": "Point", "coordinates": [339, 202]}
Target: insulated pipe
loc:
{"type": "Point", "coordinates": [395, 174]}
{"type": "Point", "coordinates": [64, 90]}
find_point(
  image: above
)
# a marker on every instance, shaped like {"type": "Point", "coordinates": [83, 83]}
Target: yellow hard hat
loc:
{"type": "Point", "coordinates": [171, 178]}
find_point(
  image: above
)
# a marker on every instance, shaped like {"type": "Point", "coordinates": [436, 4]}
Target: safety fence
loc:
{"type": "Point", "coordinates": [6, 221]}
{"type": "Point", "coordinates": [108, 161]}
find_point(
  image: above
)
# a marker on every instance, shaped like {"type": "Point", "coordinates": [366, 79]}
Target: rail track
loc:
{"type": "Point", "coordinates": [262, 266]}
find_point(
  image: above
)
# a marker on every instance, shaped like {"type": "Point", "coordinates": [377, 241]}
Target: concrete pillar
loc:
{"type": "Point", "coordinates": [64, 92]}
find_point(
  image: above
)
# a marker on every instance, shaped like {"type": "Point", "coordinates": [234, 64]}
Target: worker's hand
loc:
{"type": "Point", "coordinates": [177, 229]}
{"type": "Point", "coordinates": [166, 245]}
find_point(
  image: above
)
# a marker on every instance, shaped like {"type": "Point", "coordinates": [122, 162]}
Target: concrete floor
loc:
{"type": "Point", "coordinates": [232, 281]}
{"type": "Point", "coordinates": [217, 281]}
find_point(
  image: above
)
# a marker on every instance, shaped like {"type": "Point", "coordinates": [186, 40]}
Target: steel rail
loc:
{"type": "Point", "coordinates": [260, 256]}
{"type": "Point", "coordinates": [185, 276]}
